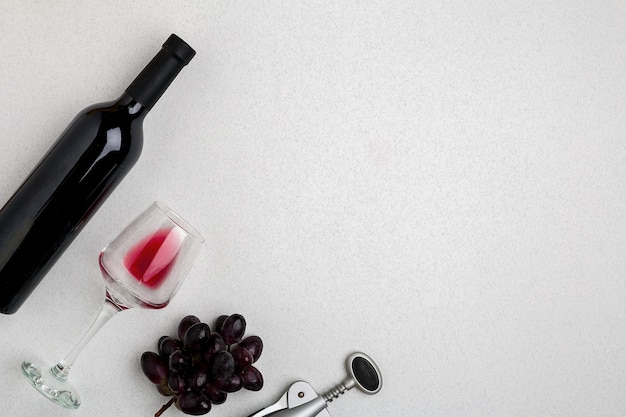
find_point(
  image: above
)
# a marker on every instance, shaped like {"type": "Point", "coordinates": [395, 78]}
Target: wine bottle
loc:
{"type": "Point", "coordinates": [76, 175]}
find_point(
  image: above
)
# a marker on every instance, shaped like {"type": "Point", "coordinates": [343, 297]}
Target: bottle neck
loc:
{"type": "Point", "coordinates": [156, 77]}
{"type": "Point", "coordinates": [131, 107]}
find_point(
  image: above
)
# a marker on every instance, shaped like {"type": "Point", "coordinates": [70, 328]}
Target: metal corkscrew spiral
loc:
{"type": "Point", "coordinates": [334, 392]}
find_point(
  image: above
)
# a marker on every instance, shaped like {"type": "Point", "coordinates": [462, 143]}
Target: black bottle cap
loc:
{"type": "Point", "coordinates": [179, 48]}
{"type": "Point", "coordinates": [152, 82]}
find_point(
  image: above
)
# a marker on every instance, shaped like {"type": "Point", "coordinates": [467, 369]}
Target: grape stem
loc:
{"type": "Point", "coordinates": [166, 406]}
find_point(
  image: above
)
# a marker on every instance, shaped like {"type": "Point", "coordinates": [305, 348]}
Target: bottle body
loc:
{"type": "Point", "coordinates": [64, 190]}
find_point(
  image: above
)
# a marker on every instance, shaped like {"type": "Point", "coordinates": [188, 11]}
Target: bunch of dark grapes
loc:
{"type": "Point", "coordinates": [201, 367]}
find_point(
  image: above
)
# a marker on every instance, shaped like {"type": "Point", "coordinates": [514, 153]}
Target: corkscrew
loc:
{"type": "Point", "coordinates": [301, 400]}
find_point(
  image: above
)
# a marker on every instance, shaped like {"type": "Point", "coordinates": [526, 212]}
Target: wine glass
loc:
{"type": "Point", "coordinates": [143, 267]}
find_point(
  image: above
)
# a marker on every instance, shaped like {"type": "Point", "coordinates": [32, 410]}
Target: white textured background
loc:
{"type": "Point", "coordinates": [439, 184]}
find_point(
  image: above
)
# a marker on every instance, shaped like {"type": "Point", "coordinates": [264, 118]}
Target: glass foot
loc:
{"type": "Point", "coordinates": [50, 386]}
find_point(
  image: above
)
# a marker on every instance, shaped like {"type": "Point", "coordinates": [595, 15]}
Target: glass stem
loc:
{"type": "Point", "coordinates": [62, 369]}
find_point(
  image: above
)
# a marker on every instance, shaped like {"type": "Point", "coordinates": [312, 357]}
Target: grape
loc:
{"type": "Point", "coordinates": [242, 358]}
{"type": "Point", "coordinates": [193, 403]}
{"type": "Point", "coordinates": [167, 345]}
{"type": "Point", "coordinates": [223, 365]}
{"type": "Point", "coordinates": [185, 324]}
{"type": "Point", "coordinates": [154, 367]}
{"type": "Point", "coordinates": [179, 362]}
{"type": "Point", "coordinates": [254, 345]}
{"type": "Point", "coordinates": [233, 328]}
{"type": "Point", "coordinates": [231, 384]}
{"type": "Point", "coordinates": [252, 379]}
{"type": "Point", "coordinates": [196, 336]}
{"type": "Point", "coordinates": [176, 382]}
{"type": "Point", "coordinates": [215, 343]}
{"type": "Point", "coordinates": [199, 377]}
{"type": "Point", "coordinates": [214, 394]}
{"type": "Point", "coordinates": [219, 322]}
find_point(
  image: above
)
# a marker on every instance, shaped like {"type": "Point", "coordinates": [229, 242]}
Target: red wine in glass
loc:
{"type": "Point", "coordinates": [151, 259]}
{"type": "Point", "coordinates": [136, 281]}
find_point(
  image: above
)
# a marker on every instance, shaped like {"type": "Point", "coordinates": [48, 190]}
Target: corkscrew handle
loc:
{"type": "Point", "coordinates": [363, 373]}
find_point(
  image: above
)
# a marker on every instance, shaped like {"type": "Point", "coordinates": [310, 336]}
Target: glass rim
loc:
{"type": "Point", "coordinates": [179, 221]}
